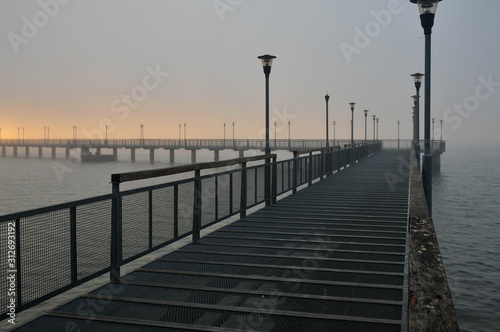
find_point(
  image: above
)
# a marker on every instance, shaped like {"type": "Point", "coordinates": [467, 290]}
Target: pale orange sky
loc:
{"type": "Point", "coordinates": [78, 63]}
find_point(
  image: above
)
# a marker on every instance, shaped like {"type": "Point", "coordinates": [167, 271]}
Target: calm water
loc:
{"type": "Point", "coordinates": [466, 198]}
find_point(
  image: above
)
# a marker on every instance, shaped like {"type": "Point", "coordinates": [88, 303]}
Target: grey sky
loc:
{"type": "Point", "coordinates": [85, 57]}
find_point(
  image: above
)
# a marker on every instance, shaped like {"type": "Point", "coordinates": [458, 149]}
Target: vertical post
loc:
{"type": "Point", "coordinates": [172, 155]}
{"type": "Point", "coordinates": [176, 211]}
{"type": "Point", "coordinates": [267, 171]}
{"type": "Point", "coordinates": [289, 141]}
{"type": "Point", "coordinates": [197, 206]}
{"type": "Point", "coordinates": [295, 171]}
{"type": "Point", "coordinates": [243, 192]}
{"type": "Point", "coordinates": [427, 160]}
{"type": "Point", "coordinates": [150, 218]}
{"type": "Point", "coordinates": [327, 98]}
{"type": "Point", "coordinates": [74, 264]}
{"type": "Point", "coordinates": [398, 134]}
{"type": "Point", "coordinates": [132, 154]}
{"type": "Point", "coordinates": [275, 181]}
{"type": "Point", "coordinates": [151, 155]}
{"type": "Point", "coordinates": [116, 232]}
{"type": "Point", "coordinates": [310, 168]}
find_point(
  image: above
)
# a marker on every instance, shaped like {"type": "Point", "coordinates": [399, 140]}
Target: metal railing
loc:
{"type": "Point", "coordinates": [49, 250]}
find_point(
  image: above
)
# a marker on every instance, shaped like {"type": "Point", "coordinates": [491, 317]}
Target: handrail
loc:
{"type": "Point", "coordinates": [328, 148]}
{"type": "Point", "coordinates": [140, 175]}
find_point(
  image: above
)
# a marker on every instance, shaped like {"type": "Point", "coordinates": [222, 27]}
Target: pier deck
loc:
{"type": "Point", "coordinates": [332, 257]}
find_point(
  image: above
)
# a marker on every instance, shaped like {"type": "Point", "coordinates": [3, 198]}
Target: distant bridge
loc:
{"type": "Point", "coordinates": [193, 145]}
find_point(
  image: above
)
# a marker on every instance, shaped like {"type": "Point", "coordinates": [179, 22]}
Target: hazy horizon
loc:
{"type": "Point", "coordinates": [160, 64]}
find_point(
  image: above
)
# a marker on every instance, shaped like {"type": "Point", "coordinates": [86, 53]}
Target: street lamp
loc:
{"type": "Point", "coordinates": [374, 117]}
{"type": "Point", "coordinates": [327, 97]}
{"type": "Point", "coordinates": [141, 134]}
{"type": "Point", "coordinates": [106, 135]}
{"type": "Point", "coordinates": [224, 134]}
{"type": "Point", "coordinates": [275, 134]}
{"type": "Point", "coordinates": [18, 134]}
{"type": "Point", "coordinates": [352, 123]}
{"type": "Point", "coordinates": [427, 9]}
{"type": "Point", "coordinates": [398, 134]}
{"type": "Point", "coordinates": [366, 114]}
{"type": "Point", "coordinates": [333, 133]}
{"type": "Point", "coordinates": [179, 134]}
{"type": "Point", "coordinates": [267, 61]}
{"type": "Point", "coordinates": [185, 139]}
{"type": "Point", "coordinates": [289, 142]}
{"type": "Point", "coordinates": [441, 130]}
{"type": "Point", "coordinates": [233, 133]}
{"type": "Point", "coordinates": [417, 79]}
{"type": "Point", "coordinates": [377, 127]}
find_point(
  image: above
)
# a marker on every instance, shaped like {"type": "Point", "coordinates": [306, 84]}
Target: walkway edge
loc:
{"type": "Point", "coordinates": [430, 303]}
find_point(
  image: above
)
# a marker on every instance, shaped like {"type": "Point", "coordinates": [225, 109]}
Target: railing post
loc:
{"type": "Point", "coordinates": [197, 206]}
{"type": "Point", "coordinates": [274, 192]}
{"type": "Point", "coordinates": [74, 264]}
{"type": "Point", "coordinates": [243, 193]}
{"type": "Point", "coordinates": [310, 167]}
{"type": "Point", "coordinates": [150, 217]}
{"type": "Point", "coordinates": [295, 171]}
{"type": "Point", "coordinates": [176, 211]}
{"type": "Point", "coordinates": [116, 233]}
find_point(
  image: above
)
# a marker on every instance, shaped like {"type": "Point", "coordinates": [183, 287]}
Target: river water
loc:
{"type": "Point", "coordinates": [466, 197]}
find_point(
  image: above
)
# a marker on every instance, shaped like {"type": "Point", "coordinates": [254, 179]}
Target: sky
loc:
{"type": "Point", "coordinates": [123, 63]}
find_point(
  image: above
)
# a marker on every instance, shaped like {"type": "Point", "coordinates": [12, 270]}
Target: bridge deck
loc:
{"type": "Point", "coordinates": [330, 258]}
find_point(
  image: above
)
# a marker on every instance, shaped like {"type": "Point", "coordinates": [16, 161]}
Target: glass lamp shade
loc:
{"type": "Point", "coordinates": [426, 6]}
{"type": "Point", "coordinates": [366, 112]}
{"type": "Point", "coordinates": [352, 105]}
{"type": "Point", "coordinates": [417, 77]}
{"type": "Point", "coordinates": [267, 60]}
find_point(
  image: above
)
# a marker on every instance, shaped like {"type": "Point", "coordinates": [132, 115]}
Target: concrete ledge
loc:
{"type": "Point", "coordinates": [430, 304]}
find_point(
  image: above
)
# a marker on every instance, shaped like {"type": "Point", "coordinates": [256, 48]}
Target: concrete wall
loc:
{"type": "Point", "coordinates": [430, 304]}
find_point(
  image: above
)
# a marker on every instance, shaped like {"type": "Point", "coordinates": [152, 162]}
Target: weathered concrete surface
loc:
{"type": "Point", "coordinates": [430, 304]}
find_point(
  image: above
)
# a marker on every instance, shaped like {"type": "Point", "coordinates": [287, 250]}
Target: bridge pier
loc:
{"type": "Point", "coordinates": [193, 156]}
{"type": "Point", "coordinates": [115, 153]}
{"type": "Point", "coordinates": [27, 153]}
{"type": "Point", "coordinates": [216, 155]}
{"type": "Point", "coordinates": [132, 154]}
{"type": "Point", "coordinates": [40, 154]}
{"type": "Point", "coordinates": [241, 154]}
{"type": "Point", "coordinates": [67, 152]}
{"type": "Point", "coordinates": [4, 148]}
{"type": "Point", "coordinates": [15, 151]}
{"type": "Point", "coordinates": [53, 152]}
{"type": "Point", "coordinates": [151, 155]}
{"type": "Point", "coordinates": [172, 155]}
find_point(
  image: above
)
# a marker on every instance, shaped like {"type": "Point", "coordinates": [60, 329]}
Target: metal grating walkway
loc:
{"type": "Point", "coordinates": [330, 258]}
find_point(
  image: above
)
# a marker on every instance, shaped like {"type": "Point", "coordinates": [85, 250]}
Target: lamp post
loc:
{"type": "Point", "coordinates": [23, 135]}
{"type": "Point", "coordinates": [333, 133]}
{"type": "Point", "coordinates": [45, 135]}
{"type": "Point", "coordinates": [19, 134]}
{"type": "Point", "coordinates": [441, 130]}
{"type": "Point", "coordinates": [275, 134]}
{"type": "Point", "coordinates": [327, 98]}
{"type": "Point", "coordinates": [289, 142]}
{"type": "Point", "coordinates": [374, 117]}
{"type": "Point", "coordinates": [398, 134]}
{"type": "Point", "coordinates": [141, 134]}
{"type": "Point", "coordinates": [106, 135]}
{"type": "Point", "coordinates": [366, 115]}
{"type": "Point", "coordinates": [185, 139]}
{"type": "Point", "coordinates": [352, 123]}
{"type": "Point", "coordinates": [417, 79]}
{"type": "Point", "coordinates": [224, 134]}
{"type": "Point", "coordinates": [267, 61]}
{"type": "Point", "coordinates": [233, 134]}
{"type": "Point", "coordinates": [179, 134]}
{"type": "Point", "coordinates": [377, 127]}
{"type": "Point", "coordinates": [48, 133]}
{"type": "Point", "coordinates": [427, 9]}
